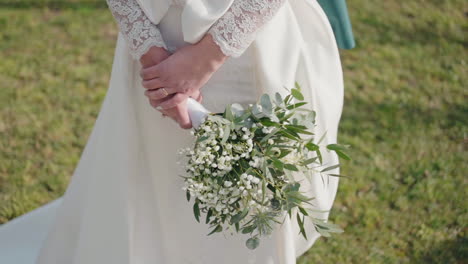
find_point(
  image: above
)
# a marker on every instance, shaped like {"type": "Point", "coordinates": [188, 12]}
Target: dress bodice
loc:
{"type": "Point", "coordinates": [233, 31]}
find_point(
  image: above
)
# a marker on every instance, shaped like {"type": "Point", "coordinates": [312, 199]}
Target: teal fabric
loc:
{"type": "Point", "coordinates": [337, 13]}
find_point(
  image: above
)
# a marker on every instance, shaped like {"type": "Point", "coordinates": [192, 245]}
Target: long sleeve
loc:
{"type": "Point", "coordinates": [140, 33]}
{"type": "Point", "coordinates": [236, 29]}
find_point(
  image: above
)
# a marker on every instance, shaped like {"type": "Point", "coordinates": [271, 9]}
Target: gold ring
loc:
{"type": "Point", "coordinates": [164, 90]}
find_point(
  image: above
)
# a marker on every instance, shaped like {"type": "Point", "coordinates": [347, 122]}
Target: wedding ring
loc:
{"type": "Point", "coordinates": [165, 92]}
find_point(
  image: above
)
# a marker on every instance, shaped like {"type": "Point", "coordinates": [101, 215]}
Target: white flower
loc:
{"type": "Point", "coordinates": [227, 184]}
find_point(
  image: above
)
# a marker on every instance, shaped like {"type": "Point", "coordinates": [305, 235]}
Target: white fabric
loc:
{"type": "Point", "coordinates": [141, 34]}
{"type": "Point", "coordinates": [231, 23]}
{"type": "Point", "coordinates": [235, 31]}
{"type": "Point", "coordinates": [197, 15]}
{"type": "Point", "coordinates": [124, 203]}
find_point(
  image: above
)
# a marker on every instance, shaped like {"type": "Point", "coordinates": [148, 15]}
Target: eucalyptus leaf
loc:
{"type": "Point", "coordinates": [237, 109]}
{"type": "Point", "coordinates": [278, 99]}
{"type": "Point", "coordinates": [252, 243]}
{"type": "Point", "coordinates": [265, 102]}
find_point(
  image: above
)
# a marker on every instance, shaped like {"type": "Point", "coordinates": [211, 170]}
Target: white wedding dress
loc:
{"type": "Point", "coordinates": [124, 203]}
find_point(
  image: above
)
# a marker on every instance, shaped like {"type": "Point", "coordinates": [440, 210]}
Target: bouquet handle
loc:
{"type": "Point", "coordinates": [197, 112]}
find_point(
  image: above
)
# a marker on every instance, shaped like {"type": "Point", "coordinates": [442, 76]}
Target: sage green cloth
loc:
{"type": "Point", "coordinates": [337, 13]}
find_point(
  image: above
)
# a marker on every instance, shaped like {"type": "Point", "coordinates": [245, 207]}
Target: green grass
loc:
{"type": "Point", "coordinates": [405, 115]}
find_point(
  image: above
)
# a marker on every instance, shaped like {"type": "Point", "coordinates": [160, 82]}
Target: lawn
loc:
{"type": "Point", "coordinates": [405, 115]}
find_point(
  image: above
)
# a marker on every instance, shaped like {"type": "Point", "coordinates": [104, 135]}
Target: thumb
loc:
{"type": "Point", "coordinates": [184, 118]}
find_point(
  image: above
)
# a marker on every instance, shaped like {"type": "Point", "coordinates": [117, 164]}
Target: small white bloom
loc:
{"type": "Point", "coordinates": [227, 184]}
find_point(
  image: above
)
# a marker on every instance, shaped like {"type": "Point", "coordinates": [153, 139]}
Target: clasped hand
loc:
{"type": "Point", "coordinates": [169, 79]}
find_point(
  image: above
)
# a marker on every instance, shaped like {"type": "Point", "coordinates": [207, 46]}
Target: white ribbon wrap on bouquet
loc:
{"type": "Point", "coordinates": [197, 112]}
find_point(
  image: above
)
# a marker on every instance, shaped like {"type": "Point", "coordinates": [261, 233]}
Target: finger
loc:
{"type": "Point", "coordinates": [173, 100]}
{"type": "Point", "coordinates": [200, 98]}
{"type": "Point", "coordinates": [153, 83]}
{"type": "Point", "coordinates": [156, 104]}
{"type": "Point", "coordinates": [157, 94]}
{"type": "Point", "coordinates": [151, 72]}
{"type": "Point", "coordinates": [184, 119]}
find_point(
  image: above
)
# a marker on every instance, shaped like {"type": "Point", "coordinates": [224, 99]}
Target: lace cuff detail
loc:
{"type": "Point", "coordinates": [235, 30]}
{"type": "Point", "coordinates": [140, 33]}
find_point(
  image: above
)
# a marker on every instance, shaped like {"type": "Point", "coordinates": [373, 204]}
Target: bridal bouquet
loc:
{"type": "Point", "coordinates": [241, 168]}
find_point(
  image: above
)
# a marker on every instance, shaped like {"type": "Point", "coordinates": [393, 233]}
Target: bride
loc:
{"type": "Point", "coordinates": [124, 203]}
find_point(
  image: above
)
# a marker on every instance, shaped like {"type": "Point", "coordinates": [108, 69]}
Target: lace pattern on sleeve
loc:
{"type": "Point", "coordinates": [235, 30]}
{"type": "Point", "coordinates": [140, 33]}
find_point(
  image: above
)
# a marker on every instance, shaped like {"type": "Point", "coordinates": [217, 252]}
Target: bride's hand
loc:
{"type": "Point", "coordinates": [153, 56]}
{"type": "Point", "coordinates": [183, 73]}
{"type": "Point", "coordinates": [179, 113]}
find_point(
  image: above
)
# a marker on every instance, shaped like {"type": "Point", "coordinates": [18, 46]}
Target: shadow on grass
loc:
{"type": "Point", "coordinates": [53, 4]}
{"type": "Point", "coordinates": [452, 251]}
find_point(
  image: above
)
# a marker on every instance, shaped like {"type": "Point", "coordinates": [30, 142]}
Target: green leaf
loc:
{"type": "Point", "coordinates": [290, 134]}
{"type": "Point", "coordinates": [267, 122]}
{"type": "Point", "coordinates": [309, 161]}
{"type": "Point", "coordinates": [187, 193]}
{"type": "Point", "coordinates": [208, 215]}
{"type": "Point", "coordinates": [277, 163]}
{"type": "Point", "coordinates": [202, 139]}
{"type": "Point", "coordinates": [342, 155]}
{"type": "Point", "coordinates": [296, 84]}
{"type": "Point", "coordinates": [303, 211]}
{"type": "Point", "coordinates": [298, 129]}
{"type": "Point", "coordinates": [301, 226]}
{"type": "Point", "coordinates": [248, 229]}
{"type": "Point", "coordinates": [337, 147]}
{"type": "Point", "coordinates": [338, 175]}
{"type": "Point", "coordinates": [311, 146]}
{"type": "Point", "coordinates": [330, 168]}
{"type": "Point", "coordinates": [339, 150]}
{"type": "Point", "coordinates": [252, 243]}
{"type": "Point", "coordinates": [294, 106]}
{"type": "Point", "coordinates": [322, 138]}
{"type": "Point", "coordinates": [196, 211]}
{"type": "Point", "coordinates": [227, 132]}
{"type": "Point", "coordinates": [297, 94]}
{"type": "Point", "coordinates": [228, 113]}
{"type": "Point", "coordinates": [238, 217]}
{"type": "Point", "coordinates": [290, 167]}
{"type": "Point", "coordinates": [218, 228]}
{"type": "Point", "coordinates": [319, 155]}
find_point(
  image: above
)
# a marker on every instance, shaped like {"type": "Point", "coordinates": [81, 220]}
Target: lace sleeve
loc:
{"type": "Point", "coordinates": [141, 34]}
{"type": "Point", "coordinates": [235, 30]}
